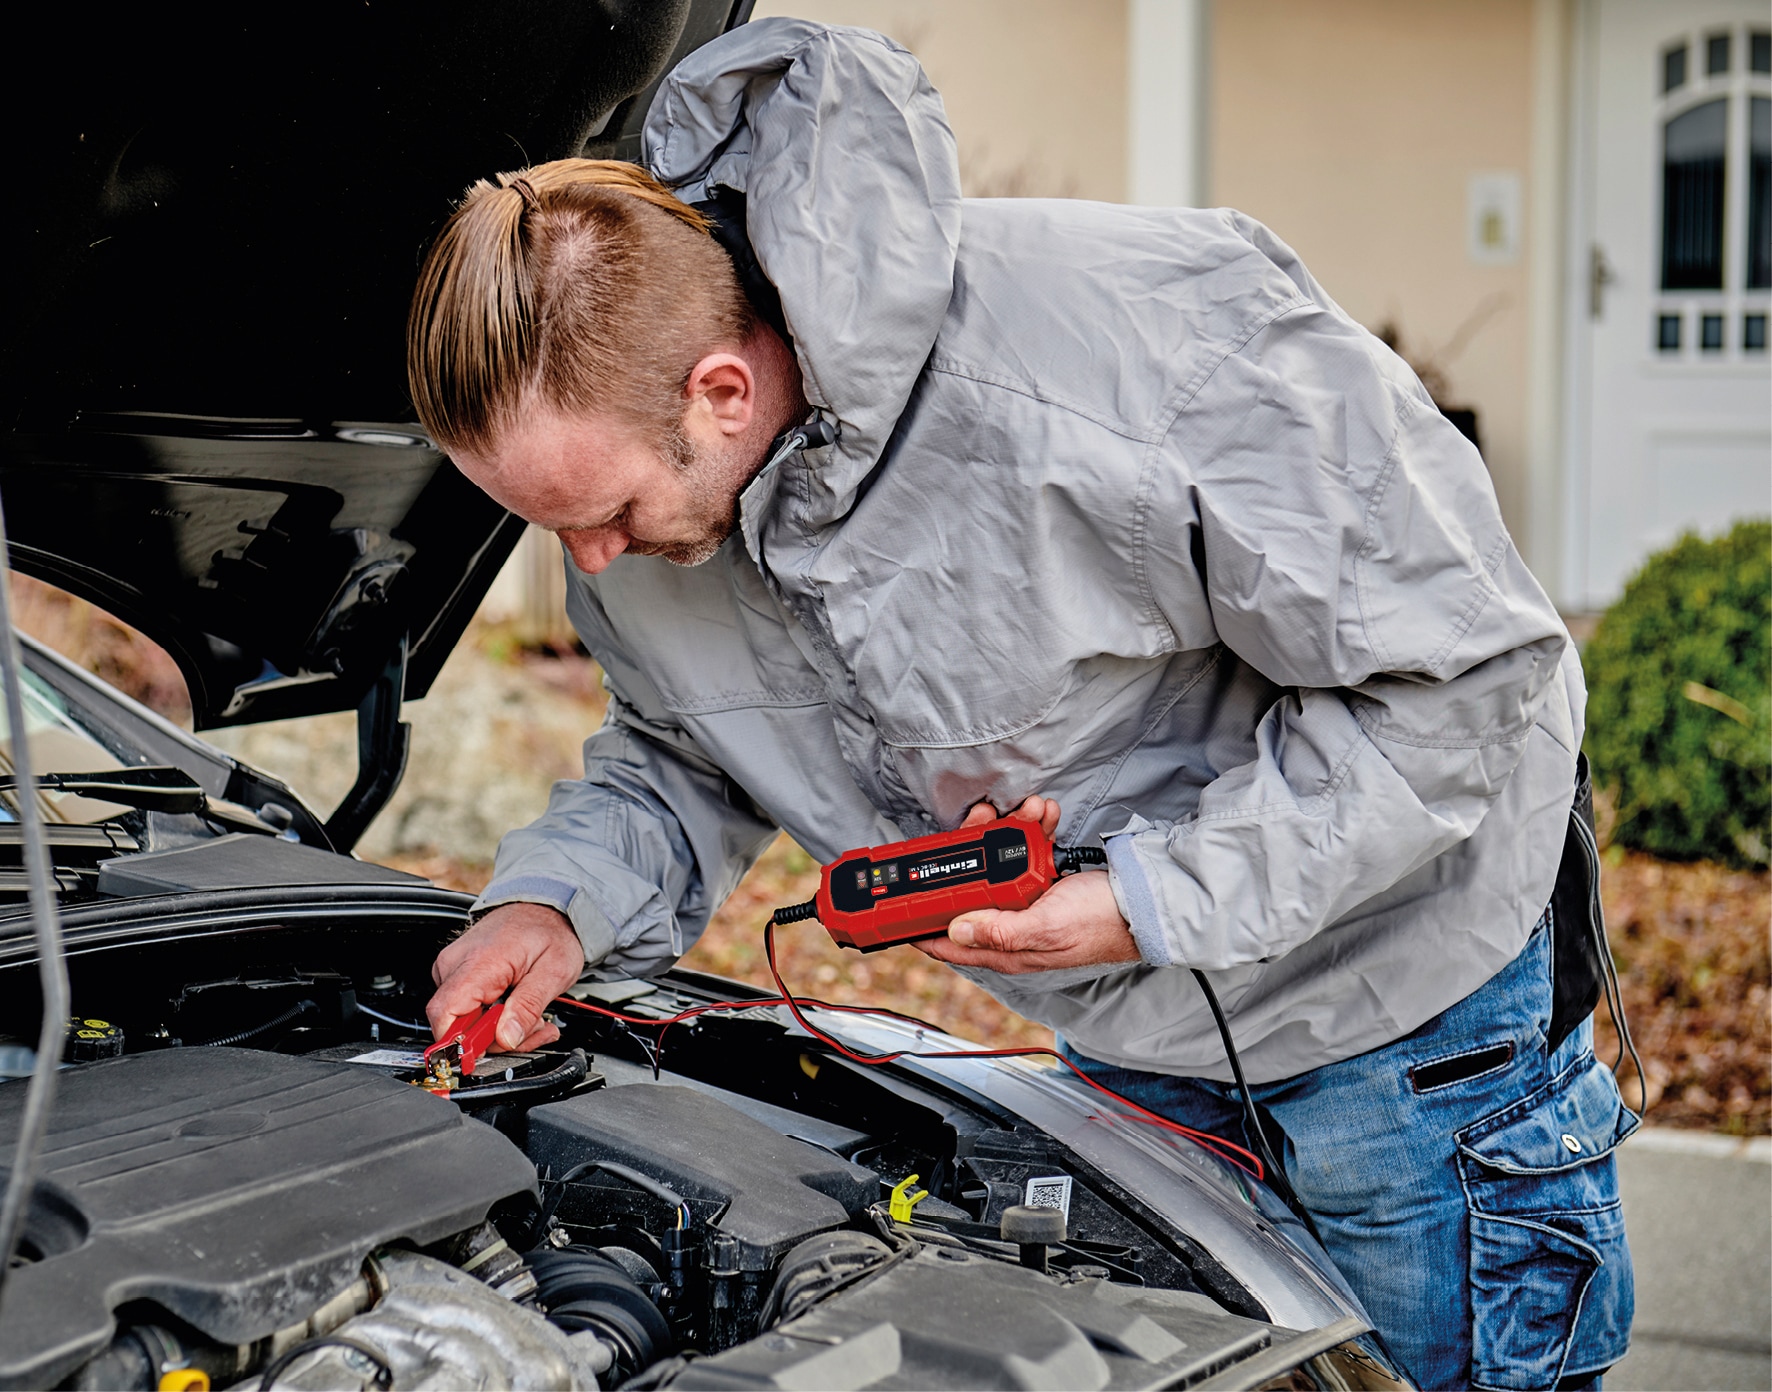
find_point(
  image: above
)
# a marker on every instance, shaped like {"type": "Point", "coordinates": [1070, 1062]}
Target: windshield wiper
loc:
{"type": "Point", "coordinates": [156, 788]}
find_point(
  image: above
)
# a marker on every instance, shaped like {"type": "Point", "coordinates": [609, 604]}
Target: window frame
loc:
{"type": "Point", "coordinates": [1738, 84]}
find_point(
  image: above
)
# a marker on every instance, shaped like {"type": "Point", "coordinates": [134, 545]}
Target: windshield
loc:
{"type": "Point", "coordinates": [60, 743]}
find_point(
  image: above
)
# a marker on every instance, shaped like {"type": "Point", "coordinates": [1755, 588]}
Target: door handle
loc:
{"type": "Point", "coordinates": [1599, 275]}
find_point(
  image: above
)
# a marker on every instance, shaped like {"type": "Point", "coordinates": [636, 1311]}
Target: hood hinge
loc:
{"type": "Point", "coordinates": [383, 742]}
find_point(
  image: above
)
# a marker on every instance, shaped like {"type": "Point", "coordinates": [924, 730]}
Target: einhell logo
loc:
{"type": "Point", "coordinates": [948, 867]}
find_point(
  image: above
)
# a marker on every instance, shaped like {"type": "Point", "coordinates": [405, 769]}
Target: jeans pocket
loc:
{"type": "Point", "coordinates": [1550, 1272]}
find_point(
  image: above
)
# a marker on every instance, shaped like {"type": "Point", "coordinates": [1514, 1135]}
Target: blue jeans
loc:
{"type": "Point", "coordinates": [1463, 1180]}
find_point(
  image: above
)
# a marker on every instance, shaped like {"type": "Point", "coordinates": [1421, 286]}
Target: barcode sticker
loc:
{"type": "Point", "coordinates": [1050, 1191]}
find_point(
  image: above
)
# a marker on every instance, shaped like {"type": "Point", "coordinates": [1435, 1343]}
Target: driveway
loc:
{"type": "Point", "coordinates": [1699, 1212]}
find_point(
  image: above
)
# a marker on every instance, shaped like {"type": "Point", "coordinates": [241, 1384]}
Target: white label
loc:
{"type": "Point", "coordinates": [392, 1058]}
{"type": "Point", "coordinates": [1050, 1191]}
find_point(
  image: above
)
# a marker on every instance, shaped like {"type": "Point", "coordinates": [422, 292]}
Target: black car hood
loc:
{"type": "Point", "coordinates": [215, 231]}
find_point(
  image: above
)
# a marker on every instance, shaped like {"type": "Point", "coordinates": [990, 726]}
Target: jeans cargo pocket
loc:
{"type": "Point", "coordinates": [1550, 1273]}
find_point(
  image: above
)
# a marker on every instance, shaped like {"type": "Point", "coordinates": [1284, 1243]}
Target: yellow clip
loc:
{"type": "Point", "coordinates": [903, 1201]}
{"type": "Point", "coordinates": [184, 1380]}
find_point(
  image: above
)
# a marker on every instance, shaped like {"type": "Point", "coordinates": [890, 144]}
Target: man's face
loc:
{"type": "Point", "coordinates": [603, 488]}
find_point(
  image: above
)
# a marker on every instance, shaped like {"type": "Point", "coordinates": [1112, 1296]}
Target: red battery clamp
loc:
{"type": "Point", "coordinates": [880, 896]}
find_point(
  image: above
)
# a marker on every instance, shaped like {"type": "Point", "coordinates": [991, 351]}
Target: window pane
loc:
{"type": "Point", "coordinates": [1759, 194]}
{"type": "Point", "coordinates": [1716, 54]}
{"type": "Point", "coordinates": [1667, 333]}
{"type": "Point", "coordinates": [1710, 333]}
{"type": "Point", "coordinates": [1673, 68]}
{"type": "Point", "coordinates": [1692, 199]}
{"type": "Point", "coordinates": [1753, 333]}
{"type": "Point", "coordinates": [1759, 45]}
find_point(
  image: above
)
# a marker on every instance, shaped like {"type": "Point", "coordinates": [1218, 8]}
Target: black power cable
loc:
{"type": "Point", "coordinates": [1276, 1176]}
{"type": "Point", "coordinates": [1608, 967]}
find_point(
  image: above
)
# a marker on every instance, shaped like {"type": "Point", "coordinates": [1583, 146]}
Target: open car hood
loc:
{"type": "Point", "coordinates": [203, 380]}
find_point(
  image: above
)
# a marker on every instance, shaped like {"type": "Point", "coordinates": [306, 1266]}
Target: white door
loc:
{"type": "Point", "coordinates": [1672, 408]}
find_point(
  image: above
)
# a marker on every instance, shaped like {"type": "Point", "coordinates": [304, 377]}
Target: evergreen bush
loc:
{"type": "Point", "coordinates": [1679, 716]}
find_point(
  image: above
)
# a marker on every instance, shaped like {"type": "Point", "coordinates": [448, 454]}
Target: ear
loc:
{"type": "Point", "coordinates": [721, 394]}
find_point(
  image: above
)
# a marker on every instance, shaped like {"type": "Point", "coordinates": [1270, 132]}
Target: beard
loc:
{"type": "Point", "coordinates": [713, 485]}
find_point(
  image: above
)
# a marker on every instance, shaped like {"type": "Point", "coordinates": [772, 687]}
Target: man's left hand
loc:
{"type": "Point", "coordinates": [1076, 923]}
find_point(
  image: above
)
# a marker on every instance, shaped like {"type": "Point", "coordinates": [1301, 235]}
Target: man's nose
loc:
{"type": "Point", "coordinates": [593, 548]}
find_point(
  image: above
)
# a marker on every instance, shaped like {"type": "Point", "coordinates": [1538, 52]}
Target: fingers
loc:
{"type": "Point", "coordinates": [1008, 963]}
{"type": "Point", "coordinates": [465, 992]}
{"type": "Point", "coordinates": [537, 1038]}
{"type": "Point", "coordinates": [1043, 810]}
{"type": "Point", "coordinates": [1076, 923]}
{"type": "Point", "coordinates": [543, 1035]}
{"type": "Point", "coordinates": [531, 996]}
{"type": "Point", "coordinates": [1004, 930]}
{"type": "Point", "coordinates": [529, 950]}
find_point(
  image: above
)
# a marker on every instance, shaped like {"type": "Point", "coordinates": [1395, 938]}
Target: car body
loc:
{"type": "Point", "coordinates": [209, 437]}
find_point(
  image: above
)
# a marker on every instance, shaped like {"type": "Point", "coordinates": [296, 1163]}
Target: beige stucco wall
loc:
{"type": "Point", "coordinates": [1035, 89]}
{"type": "Point", "coordinates": [1351, 129]}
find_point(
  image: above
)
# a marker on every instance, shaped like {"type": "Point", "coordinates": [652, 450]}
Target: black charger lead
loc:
{"type": "Point", "coordinates": [1277, 1179]}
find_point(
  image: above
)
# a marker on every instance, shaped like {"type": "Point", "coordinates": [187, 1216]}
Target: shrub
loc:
{"type": "Point", "coordinates": [1679, 717]}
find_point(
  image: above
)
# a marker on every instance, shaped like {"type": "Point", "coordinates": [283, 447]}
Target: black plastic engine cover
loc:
{"type": "Point", "coordinates": [949, 1319]}
{"type": "Point", "coordinates": [236, 1189]}
{"type": "Point", "coordinates": [776, 1190]}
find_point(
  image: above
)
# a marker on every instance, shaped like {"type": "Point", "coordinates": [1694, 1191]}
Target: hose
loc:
{"type": "Point", "coordinates": [52, 969]}
{"type": "Point", "coordinates": [363, 1009]}
{"type": "Point", "coordinates": [299, 1008]}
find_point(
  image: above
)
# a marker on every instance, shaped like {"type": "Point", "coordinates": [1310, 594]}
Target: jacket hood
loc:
{"type": "Point", "coordinates": [852, 186]}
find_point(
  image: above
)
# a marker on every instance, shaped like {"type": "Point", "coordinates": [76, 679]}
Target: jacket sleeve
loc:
{"type": "Point", "coordinates": [642, 850]}
{"type": "Point", "coordinates": [1353, 553]}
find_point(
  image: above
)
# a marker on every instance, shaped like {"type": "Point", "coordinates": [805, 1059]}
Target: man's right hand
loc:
{"type": "Point", "coordinates": [529, 949]}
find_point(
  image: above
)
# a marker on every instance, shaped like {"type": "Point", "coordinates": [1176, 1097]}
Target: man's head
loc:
{"type": "Point", "coordinates": [580, 346]}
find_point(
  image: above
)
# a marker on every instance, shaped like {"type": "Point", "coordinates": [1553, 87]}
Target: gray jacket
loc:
{"type": "Point", "coordinates": [1124, 511]}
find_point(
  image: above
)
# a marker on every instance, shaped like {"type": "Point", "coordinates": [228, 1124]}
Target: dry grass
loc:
{"type": "Point", "coordinates": [1692, 952]}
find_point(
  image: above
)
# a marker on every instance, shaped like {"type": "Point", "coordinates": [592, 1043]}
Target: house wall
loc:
{"type": "Point", "coordinates": [1352, 129]}
{"type": "Point", "coordinates": [1035, 89]}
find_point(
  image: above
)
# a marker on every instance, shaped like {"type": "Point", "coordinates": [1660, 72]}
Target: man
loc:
{"type": "Point", "coordinates": [1125, 527]}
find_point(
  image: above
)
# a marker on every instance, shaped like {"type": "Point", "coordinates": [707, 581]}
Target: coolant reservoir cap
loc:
{"type": "Point", "coordinates": [90, 1040]}
{"type": "Point", "coordinates": [1027, 1223]}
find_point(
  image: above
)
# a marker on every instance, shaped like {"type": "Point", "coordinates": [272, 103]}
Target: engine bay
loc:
{"type": "Point", "coordinates": [243, 1181]}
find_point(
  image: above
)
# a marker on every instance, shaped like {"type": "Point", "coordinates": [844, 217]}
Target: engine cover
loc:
{"type": "Point", "coordinates": [236, 1189]}
{"type": "Point", "coordinates": [775, 1191]}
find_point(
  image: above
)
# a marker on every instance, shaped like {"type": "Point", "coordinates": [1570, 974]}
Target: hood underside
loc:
{"type": "Point", "coordinates": [203, 386]}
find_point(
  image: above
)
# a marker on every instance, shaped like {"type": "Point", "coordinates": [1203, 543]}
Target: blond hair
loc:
{"type": "Point", "coordinates": [584, 284]}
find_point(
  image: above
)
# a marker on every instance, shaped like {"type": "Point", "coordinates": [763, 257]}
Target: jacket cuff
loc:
{"type": "Point", "coordinates": [1132, 892]}
{"type": "Point", "coordinates": [593, 926]}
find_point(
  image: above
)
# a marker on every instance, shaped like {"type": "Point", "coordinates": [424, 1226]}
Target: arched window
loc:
{"type": "Point", "coordinates": [1696, 148]}
{"type": "Point", "coordinates": [1716, 195]}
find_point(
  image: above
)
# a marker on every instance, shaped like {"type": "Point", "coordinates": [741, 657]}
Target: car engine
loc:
{"type": "Point", "coordinates": [277, 1205]}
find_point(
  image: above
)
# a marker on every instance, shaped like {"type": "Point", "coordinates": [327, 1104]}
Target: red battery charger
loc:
{"type": "Point", "coordinates": [881, 896]}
